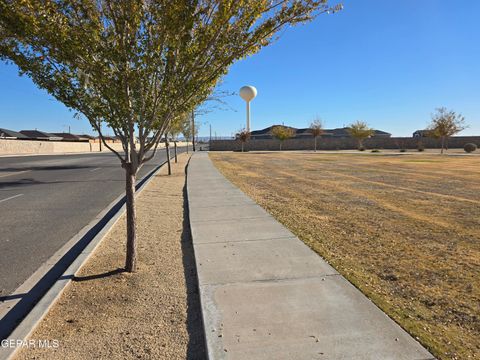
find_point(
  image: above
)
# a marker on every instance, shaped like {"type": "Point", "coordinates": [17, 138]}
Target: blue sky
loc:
{"type": "Point", "coordinates": [389, 63]}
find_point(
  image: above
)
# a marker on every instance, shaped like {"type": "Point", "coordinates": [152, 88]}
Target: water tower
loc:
{"type": "Point", "coordinates": [248, 93]}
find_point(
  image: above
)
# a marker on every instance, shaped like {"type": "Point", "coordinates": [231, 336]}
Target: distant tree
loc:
{"type": "Point", "coordinates": [195, 130]}
{"type": "Point", "coordinates": [175, 130]}
{"type": "Point", "coordinates": [137, 65]}
{"type": "Point", "coordinates": [360, 131]}
{"type": "Point", "coordinates": [316, 129]}
{"type": "Point", "coordinates": [282, 133]}
{"type": "Point", "coordinates": [446, 123]}
{"type": "Point", "coordinates": [243, 135]}
{"type": "Point", "coordinates": [186, 127]}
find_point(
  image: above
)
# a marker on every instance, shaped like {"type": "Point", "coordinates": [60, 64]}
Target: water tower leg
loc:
{"type": "Point", "coordinates": [248, 116]}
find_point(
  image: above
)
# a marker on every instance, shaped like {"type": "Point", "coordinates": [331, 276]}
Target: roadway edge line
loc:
{"type": "Point", "coordinates": [29, 319]}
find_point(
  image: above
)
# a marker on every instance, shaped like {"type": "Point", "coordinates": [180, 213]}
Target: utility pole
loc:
{"type": "Point", "coordinates": [210, 132]}
{"type": "Point", "coordinates": [193, 130]}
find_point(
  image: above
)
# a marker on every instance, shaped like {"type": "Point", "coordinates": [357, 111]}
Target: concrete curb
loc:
{"type": "Point", "coordinates": [202, 305]}
{"type": "Point", "coordinates": [47, 284]}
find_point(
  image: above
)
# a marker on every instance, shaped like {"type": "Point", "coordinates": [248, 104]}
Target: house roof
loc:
{"type": "Point", "coordinates": [307, 131]}
{"type": "Point", "coordinates": [5, 133]}
{"type": "Point", "coordinates": [67, 136]}
{"type": "Point", "coordinates": [37, 134]}
{"type": "Point", "coordinates": [380, 132]}
{"type": "Point", "coordinates": [338, 132]}
{"type": "Point", "coordinates": [267, 131]}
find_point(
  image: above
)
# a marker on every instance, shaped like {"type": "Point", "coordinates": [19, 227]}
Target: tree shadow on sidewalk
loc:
{"type": "Point", "coordinates": [196, 343]}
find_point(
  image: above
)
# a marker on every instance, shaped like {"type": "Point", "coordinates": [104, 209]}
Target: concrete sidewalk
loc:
{"type": "Point", "coordinates": [266, 295]}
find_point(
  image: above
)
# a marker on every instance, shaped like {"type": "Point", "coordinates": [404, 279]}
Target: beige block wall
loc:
{"type": "Point", "coordinates": [25, 147]}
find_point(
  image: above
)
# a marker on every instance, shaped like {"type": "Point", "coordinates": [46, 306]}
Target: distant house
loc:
{"type": "Point", "coordinates": [86, 137]}
{"type": "Point", "coordinates": [266, 133]}
{"type": "Point", "coordinates": [421, 133]}
{"type": "Point", "coordinates": [107, 139]}
{"type": "Point", "coordinates": [10, 134]}
{"type": "Point", "coordinates": [75, 137]}
{"type": "Point", "coordinates": [40, 135]}
{"type": "Point", "coordinates": [68, 137]}
{"type": "Point", "coordinates": [306, 133]}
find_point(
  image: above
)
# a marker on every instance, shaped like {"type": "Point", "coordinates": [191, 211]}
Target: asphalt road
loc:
{"type": "Point", "coordinates": [46, 200]}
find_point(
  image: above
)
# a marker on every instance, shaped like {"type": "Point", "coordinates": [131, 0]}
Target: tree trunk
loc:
{"type": "Point", "coordinates": [443, 144]}
{"type": "Point", "coordinates": [242, 146]}
{"type": "Point", "coordinates": [100, 143]}
{"type": "Point", "coordinates": [187, 146]}
{"type": "Point", "coordinates": [315, 144]}
{"type": "Point", "coordinates": [193, 131]}
{"type": "Point", "coordinates": [131, 260]}
{"type": "Point", "coordinates": [280, 146]}
{"type": "Point", "coordinates": [360, 144]}
{"type": "Point", "coordinates": [167, 147]}
{"type": "Point", "coordinates": [175, 149]}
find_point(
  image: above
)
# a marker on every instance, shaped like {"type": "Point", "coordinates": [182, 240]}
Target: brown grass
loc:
{"type": "Point", "coordinates": [404, 229]}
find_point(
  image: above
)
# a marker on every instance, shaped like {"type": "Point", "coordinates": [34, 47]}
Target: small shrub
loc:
{"type": "Point", "coordinates": [361, 149]}
{"type": "Point", "coordinates": [375, 150]}
{"type": "Point", "coordinates": [470, 147]}
{"type": "Point", "coordinates": [421, 149]}
{"type": "Point", "coordinates": [403, 150]}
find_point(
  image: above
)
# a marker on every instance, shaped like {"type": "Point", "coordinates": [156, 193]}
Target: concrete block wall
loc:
{"type": "Point", "coordinates": [341, 143]}
{"type": "Point", "coordinates": [21, 147]}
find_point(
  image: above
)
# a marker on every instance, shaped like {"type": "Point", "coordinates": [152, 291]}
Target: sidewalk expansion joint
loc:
{"type": "Point", "coordinates": [230, 219]}
{"type": "Point", "coordinates": [273, 280]}
{"type": "Point", "coordinates": [233, 205]}
{"type": "Point", "coordinates": [245, 240]}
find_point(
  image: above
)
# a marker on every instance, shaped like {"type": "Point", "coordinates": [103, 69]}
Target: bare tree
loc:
{"type": "Point", "coordinates": [243, 135]}
{"type": "Point", "coordinates": [316, 129]}
{"type": "Point", "coordinates": [446, 123]}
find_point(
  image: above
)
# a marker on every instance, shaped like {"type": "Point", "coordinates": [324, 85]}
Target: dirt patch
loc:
{"type": "Point", "coordinates": [404, 229]}
{"type": "Point", "coordinates": [151, 314]}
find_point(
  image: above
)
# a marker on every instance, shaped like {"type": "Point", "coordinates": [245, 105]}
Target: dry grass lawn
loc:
{"type": "Point", "coordinates": [404, 229]}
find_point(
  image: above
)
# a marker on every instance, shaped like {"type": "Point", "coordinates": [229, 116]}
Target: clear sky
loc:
{"type": "Point", "coordinates": [389, 63]}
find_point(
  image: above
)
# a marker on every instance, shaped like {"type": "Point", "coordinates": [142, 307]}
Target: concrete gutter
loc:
{"type": "Point", "coordinates": [266, 295]}
{"type": "Point", "coordinates": [31, 301]}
